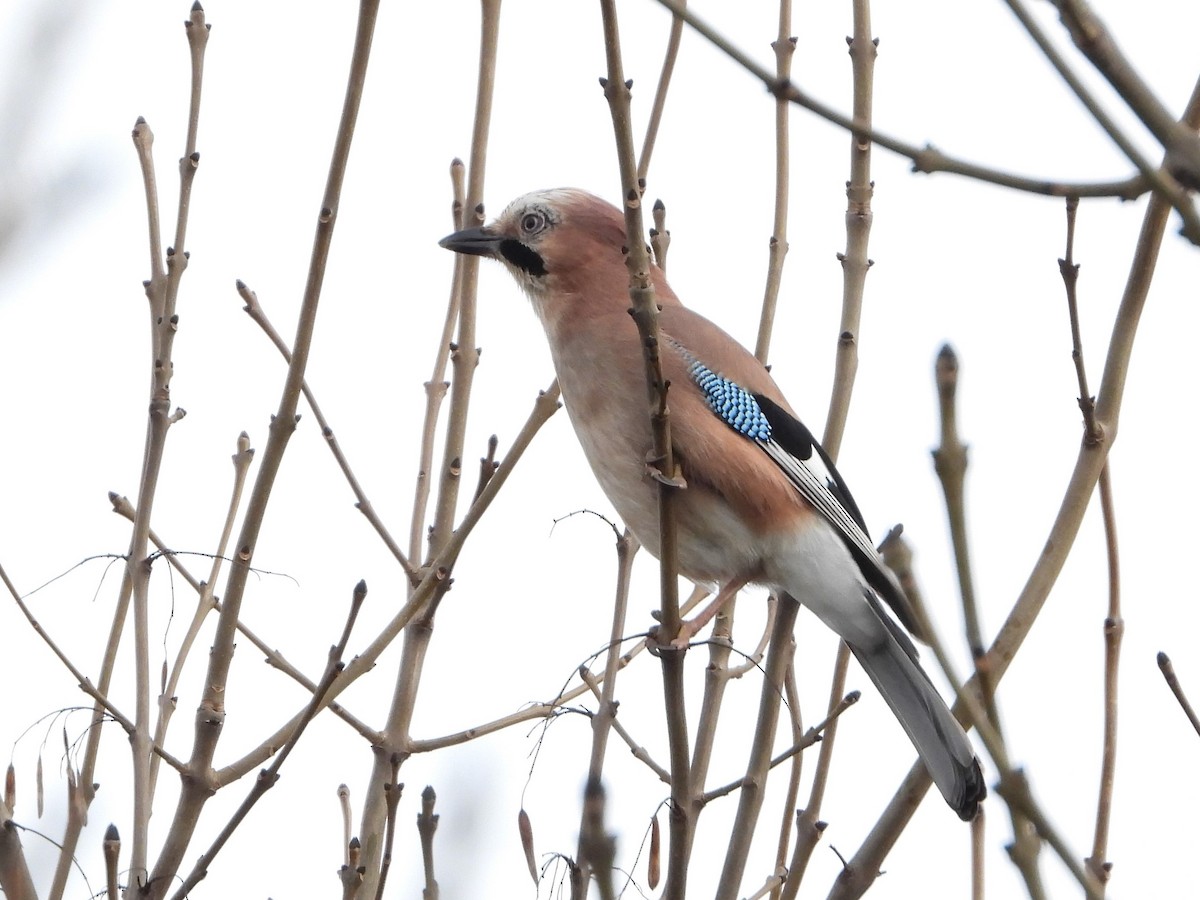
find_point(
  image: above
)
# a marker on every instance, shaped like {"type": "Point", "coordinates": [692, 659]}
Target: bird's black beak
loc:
{"type": "Point", "coordinates": [473, 241]}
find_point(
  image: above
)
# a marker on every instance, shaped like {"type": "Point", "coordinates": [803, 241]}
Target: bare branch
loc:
{"type": "Point", "coordinates": [258, 315]}
{"type": "Point", "coordinates": [784, 46]}
{"type": "Point", "coordinates": [929, 159]}
{"type": "Point", "coordinates": [1168, 671]}
{"type": "Point", "coordinates": [268, 777]}
{"type": "Point", "coordinates": [866, 863]}
{"type": "Point", "coordinates": [210, 716]}
{"type": "Point", "coordinates": [1097, 44]}
{"type": "Point", "coordinates": [753, 789]}
{"type": "Point", "coordinates": [660, 99]}
{"type": "Point", "coordinates": [1162, 181]}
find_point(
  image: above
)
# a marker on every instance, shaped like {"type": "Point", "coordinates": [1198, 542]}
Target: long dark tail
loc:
{"type": "Point", "coordinates": [939, 739]}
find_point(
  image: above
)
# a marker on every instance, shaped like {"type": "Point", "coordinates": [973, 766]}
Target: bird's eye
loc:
{"type": "Point", "coordinates": [533, 222]}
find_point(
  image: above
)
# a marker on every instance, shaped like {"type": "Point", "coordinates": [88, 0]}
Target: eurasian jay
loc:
{"type": "Point", "coordinates": [763, 502]}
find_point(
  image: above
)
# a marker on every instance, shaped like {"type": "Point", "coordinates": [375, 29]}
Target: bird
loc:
{"type": "Point", "coordinates": [762, 503]}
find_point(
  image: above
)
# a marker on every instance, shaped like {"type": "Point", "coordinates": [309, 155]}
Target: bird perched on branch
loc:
{"type": "Point", "coordinates": [763, 502]}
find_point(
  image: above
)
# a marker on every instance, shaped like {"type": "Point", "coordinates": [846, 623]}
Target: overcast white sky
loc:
{"type": "Point", "coordinates": [955, 261]}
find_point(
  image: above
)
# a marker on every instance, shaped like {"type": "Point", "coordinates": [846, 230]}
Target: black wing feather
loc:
{"type": "Point", "coordinates": [793, 436]}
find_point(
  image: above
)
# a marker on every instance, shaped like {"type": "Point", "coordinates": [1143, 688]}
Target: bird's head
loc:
{"type": "Point", "coordinates": [561, 245]}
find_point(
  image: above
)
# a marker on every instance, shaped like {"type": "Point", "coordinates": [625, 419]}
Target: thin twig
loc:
{"type": "Point", "coordinates": [544, 710]}
{"type": "Point", "coordinates": [437, 386]}
{"type": "Point", "coordinates": [597, 847]}
{"type": "Point", "coordinates": [464, 353]}
{"type": "Point", "coordinates": [258, 315]}
{"type": "Point", "coordinates": [1097, 44]}
{"type": "Point", "coordinates": [427, 823]}
{"type": "Point", "coordinates": [1162, 180]}
{"type": "Point", "coordinates": [162, 290]}
{"type": "Point", "coordinates": [788, 814]}
{"type": "Point", "coordinates": [784, 46]}
{"type": "Point", "coordinates": [396, 736]}
{"type": "Point", "coordinates": [85, 683]}
{"type": "Point", "coordinates": [112, 858]}
{"type": "Point", "coordinates": [204, 601]}
{"type": "Point", "coordinates": [855, 261]}
{"type": "Point", "coordinates": [1168, 672]}
{"type": "Point", "coordinates": [660, 235]}
{"type": "Point", "coordinates": [343, 796]}
{"type": "Point", "coordinates": [716, 681]}
{"type": "Point", "coordinates": [1114, 631]}
{"type": "Point", "coordinates": [950, 463]}
{"type": "Point", "coordinates": [660, 99]}
{"type": "Point", "coordinates": [927, 159]}
{"type": "Point", "coordinates": [551, 708]}
{"type": "Point", "coordinates": [809, 826]}
{"type": "Point", "coordinates": [268, 777]}
{"type": "Point", "coordinates": [864, 867]}
{"type": "Point", "coordinates": [855, 265]}
{"type": "Point", "coordinates": [16, 881]}
{"type": "Point", "coordinates": [1013, 787]}
{"type": "Point", "coordinates": [1114, 626]}
{"type": "Point", "coordinates": [638, 751]}
{"type": "Point", "coordinates": [754, 658]}
{"type": "Point", "coordinates": [645, 315]}
{"type": "Point", "coordinates": [271, 656]}
{"type": "Point", "coordinates": [392, 791]}
{"type": "Point", "coordinates": [196, 790]}
{"type": "Point", "coordinates": [978, 857]}
{"type": "Point", "coordinates": [605, 718]}
{"type": "Point", "coordinates": [544, 407]}
{"type": "Point", "coordinates": [811, 736]}
{"type": "Point", "coordinates": [753, 789]}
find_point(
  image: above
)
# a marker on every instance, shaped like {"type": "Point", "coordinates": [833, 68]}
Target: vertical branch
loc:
{"type": "Point", "coordinates": [716, 679]}
{"type": "Point", "coordinates": [1097, 44]}
{"type": "Point", "coordinates": [645, 311]}
{"type": "Point", "coordinates": [1159, 178]}
{"type": "Point", "coordinates": [84, 792]}
{"type": "Point", "coordinates": [795, 769]}
{"type": "Point", "coordinates": [204, 602]}
{"type": "Point", "coordinates": [269, 777]}
{"type": "Point", "coordinates": [978, 842]}
{"type": "Point", "coordinates": [660, 98]}
{"type": "Point", "coordinates": [197, 786]}
{"type": "Point", "coordinates": [784, 46]}
{"type": "Point", "coordinates": [436, 386]}
{"type": "Point", "coordinates": [396, 733]}
{"type": "Point", "coordinates": [596, 845]}
{"type": "Point", "coordinates": [627, 547]}
{"type": "Point", "coordinates": [16, 882]}
{"type": "Point", "coordinates": [592, 838]}
{"type": "Point", "coordinates": [866, 863]}
{"type": "Point", "coordinates": [1114, 631]}
{"type": "Point", "coordinates": [809, 826]}
{"type": "Point", "coordinates": [855, 264]}
{"type": "Point", "coordinates": [1114, 626]}
{"type": "Point", "coordinates": [1168, 673]}
{"type": "Point", "coordinates": [162, 289]}
{"type": "Point", "coordinates": [950, 463]}
{"type": "Point", "coordinates": [754, 785]}
{"type": "Point", "coordinates": [645, 315]}
{"type": "Point", "coordinates": [427, 823]}
{"type": "Point", "coordinates": [464, 355]}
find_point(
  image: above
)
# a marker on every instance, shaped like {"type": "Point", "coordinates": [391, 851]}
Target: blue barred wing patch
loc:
{"type": "Point", "coordinates": [733, 403]}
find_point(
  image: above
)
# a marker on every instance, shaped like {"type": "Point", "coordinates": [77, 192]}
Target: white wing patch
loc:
{"type": "Point", "coordinates": [814, 481]}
